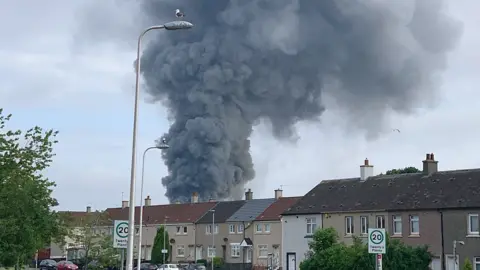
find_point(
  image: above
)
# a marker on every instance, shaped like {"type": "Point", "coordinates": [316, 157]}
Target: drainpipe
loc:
{"type": "Point", "coordinates": [443, 241]}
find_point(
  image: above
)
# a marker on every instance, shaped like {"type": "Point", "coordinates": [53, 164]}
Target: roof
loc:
{"type": "Point", "coordinates": [250, 210]}
{"type": "Point", "coordinates": [174, 213]}
{"type": "Point", "coordinates": [223, 210]}
{"type": "Point", "coordinates": [79, 218]}
{"type": "Point", "coordinates": [440, 190]}
{"type": "Point", "coordinates": [274, 211]}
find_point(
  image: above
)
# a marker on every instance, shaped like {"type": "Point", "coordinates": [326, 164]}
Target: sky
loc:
{"type": "Point", "coordinates": [68, 65]}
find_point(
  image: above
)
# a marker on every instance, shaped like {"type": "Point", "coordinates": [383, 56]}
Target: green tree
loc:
{"type": "Point", "coordinates": [402, 171]}
{"type": "Point", "coordinates": [27, 221]}
{"type": "Point", "coordinates": [104, 254]}
{"type": "Point", "coordinates": [158, 245]}
{"type": "Point", "coordinates": [467, 265]}
{"type": "Point", "coordinates": [327, 253]}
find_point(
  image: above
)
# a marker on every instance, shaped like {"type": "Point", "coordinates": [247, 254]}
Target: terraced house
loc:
{"type": "Point", "coordinates": [429, 208]}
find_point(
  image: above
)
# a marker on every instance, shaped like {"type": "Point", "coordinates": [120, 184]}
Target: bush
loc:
{"type": "Point", "coordinates": [202, 261]}
{"type": "Point", "coordinates": [467, 265]}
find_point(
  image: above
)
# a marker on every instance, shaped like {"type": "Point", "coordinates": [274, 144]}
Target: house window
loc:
{"type": "Point", "coordinates": [185, 230]}
{"type": "Point", "coordinates": [179, 229]}
{"type": "Point", "coordinates": [380, 222]}
{"type": "Point", "coordinates": [414, 225]}
{"type": "Point", "coordinates": [364, 225]}
{"type": "Point", "coordinates": [476, 263]}
{"type": "Point", "coordinates": [473, 224]}
{"type": "Point", "coordinates": [311, 225]}
{"type": "Point", "coordinates": [137, 230]}
{"type": "Point", "coordinates": [180, 251]}
{"type": "Point", "coordinates": [231, 228]}
{"type": "Point", "coordinates": [397, 225]}
{"type": "Point", "coordinates": [235, 250]}
{"type": "Point", "coordinates": [240, 228]}
{"type": "Point", "coordinates": [258, 228]}
{"type": "Point", "coordinates": [211, 251]}
{"type": "Point", "coordinates": [262, 251]}
{"type": "Point", "coordinates": [267, 228]}
{"type": "Point", "coordinates": [348, 225]}
{"type": "Point", "coordinates": [209, 229]}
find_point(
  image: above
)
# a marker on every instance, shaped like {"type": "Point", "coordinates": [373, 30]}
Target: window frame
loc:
{"type": "Point", "coordinates": [230, 231]}
{"type": "Point", "coordinates": [397, 219]}
{"type": "Point", "coordinates": [363, 225]}
{"type": "Point", "coordinates": [475, 262]}
{"type": "Point", "coordinates": [267, 227]}
{"type": "Point", "coordinates": [258, 226]}
{"type": "Point", "coordinates": [412, 219]}
{"type": "Point", "coordinates": [469, 224]}
{"type": "Point", "coordinates": [240, 228]}
{"type": "Point", "coordinates": [183, 248]}
{"type": "Point", "coordinates": [235, 247]}
{"type": "Point", "coordinates": [211, 248]}
{"type": "Point", "coordinates": [311, 225]}
{"type": "Point", "coordinates": [208, 229]}
{"type": "Point", "coordinates": [349, 228]}
{"type": "Point", "coordinates": [380, 218]}
{"type": "Point", "coordinates": [260, 248]}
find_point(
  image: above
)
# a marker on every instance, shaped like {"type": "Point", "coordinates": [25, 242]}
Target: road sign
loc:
{"type": "Point", "coordinates": [376, 241]}
{"type": "Point", "coordinates": [120, 233]}
{"type": "Point", "coordinates": [164, 251]}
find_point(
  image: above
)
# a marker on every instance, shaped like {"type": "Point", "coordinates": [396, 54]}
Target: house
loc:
{"type": "Point", "coordinates": [216, 218]}
{"type": "Point", "coordinates": [241, 222]}
{"type": "Point", "coordinates": [267, 232]}
{"type": "Point", "coordinates": [428, 208]}
{"type": "Point", "coordinates": [179, 220]}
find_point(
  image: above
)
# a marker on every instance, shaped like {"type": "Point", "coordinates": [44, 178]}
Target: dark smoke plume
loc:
{"type": "Point", "coordinates": [247, 60]}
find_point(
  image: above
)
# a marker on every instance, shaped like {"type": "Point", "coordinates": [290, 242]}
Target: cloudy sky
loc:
{"type": "Point", "coordinates": [67, 65]}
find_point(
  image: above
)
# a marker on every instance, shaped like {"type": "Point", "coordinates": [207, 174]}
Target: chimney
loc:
{"type": "Point", "coordinates": [148, 201]}
{"type": "Point", "coordinates": [194, 197]}
{"type": "Point", "coordinates": [124, 204]}
{"type": "Point", "coordinates": [278, 193]}
{"type": "Point", "coordinates": [366, 170]}
{"type": "Point", "coordinates": [89, 209]}
{"type": "Point", "coordinates": [430, 165]}
{"type": "Point", "coordinates": [249, 195]}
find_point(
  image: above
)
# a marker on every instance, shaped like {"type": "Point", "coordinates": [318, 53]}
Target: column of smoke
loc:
{"type": "Point", "coordinates": [247, 60]}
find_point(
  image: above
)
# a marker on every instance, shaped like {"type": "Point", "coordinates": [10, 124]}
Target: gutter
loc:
{"type": "Point", "coordinates": [443, 241]}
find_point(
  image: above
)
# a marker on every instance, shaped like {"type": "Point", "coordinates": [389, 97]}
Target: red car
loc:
{"type": "Point", "coordinates": [66, 265]}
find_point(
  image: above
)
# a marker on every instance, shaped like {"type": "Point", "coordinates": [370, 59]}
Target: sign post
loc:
{"type": "Point", "coordinates": [120, 233]}
{"type": "Point", "coordinates": [377, 245]}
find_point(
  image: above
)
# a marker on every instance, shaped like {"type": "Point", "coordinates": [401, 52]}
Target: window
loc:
{"type": "Point", "coordinates": [262, 251]}
{"type": "Point", "coordinates": [211, 252]}
{"type": "Point", "coordinates": [180, 251]}
{"type": "Point", "coordinates": [267, 228]}
{"type": "Point", "coordinates": [397, 225]}
{"type": "Point", "coordinates": [476, 263]}
{"type": "Point", "coordinates": [179, 229]}
{"type": "Point", "coordinates": [311, 225]}
{"type": "Point", "coordinates": [364, 225]}
{"type": "Point", "coordinates": [240, 228]}
{"type": "Point", "coordinates": [137, 230]}
{"type": "Point", "coordinates": [414, 225]}
{"type": "Point", "coordinates": [216, 228]}
{"type": "Point", "coordinates": [348, 225]}
{"type": "Point", "coordinates": [185, 230]}
{"type": "Point", "coordinates": [235, 250]}
{"type": "Point", "coordinates": [231, 228]}
{"type": "Point", "coordinates": [473, 224]}
{"type": "Point", "coordinates": [208, 229]}
{"type": "Point", "coordinates": [258, 228]}
{"type": "Point", "coordinates": [380, 222]}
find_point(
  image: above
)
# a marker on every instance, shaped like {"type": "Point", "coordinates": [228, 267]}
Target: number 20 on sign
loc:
{"type": "Point", "coordinates": [120, 233]}
{"type": "Point", "coordinates": [376, 241]}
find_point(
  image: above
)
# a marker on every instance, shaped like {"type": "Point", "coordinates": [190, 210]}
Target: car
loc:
{"type": "Point", "coordinates": [66, 265]}
{"type": "Point", "coordinates": [48, 265]}
{"type": "Point", "coordinates": [194, 267]}
{"type": "Point", "coordinates": [147, 266]}
{"type": "Point", "coordinates": [168, 266]}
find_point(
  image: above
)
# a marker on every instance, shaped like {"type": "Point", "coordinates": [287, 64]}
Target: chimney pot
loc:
{"type": "Point", "coordinates": [148, 201]}
{"type": "Point", "coordinates": [432, 157]}
{"type": "Point", "coordinates": [194, 197]}
{"type": "Point", "coordinates": [366, 162]}
{"type": "Point", "coordinates": [89, 209]}
{"type": "Point", "coordinates": [430, 165]}
{"type": "Point", "coordinates": [427, 157]}
{"type": "Point", "coordinates": [124, 204]}
{"type": "Point", "coordinates": [278, 193]}
{"type": "Point", "coordinates": [366, 170]}
{"type": "Point", "coordinates": [249, 195]}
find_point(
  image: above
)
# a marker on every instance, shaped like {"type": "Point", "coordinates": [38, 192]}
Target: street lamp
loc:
{"type": "Point", "coordinates": [213, 234]}
{"type": "Point", "coordinates": [455, 242]}
{"type": "Point", "coordinates": [164, 238]}
{"type": "Point", "coordinates": [161, 147]}
{"type": "Point", "coordinates": [175, 25]}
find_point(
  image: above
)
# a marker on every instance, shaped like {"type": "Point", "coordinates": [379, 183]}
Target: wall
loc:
{"type": "Point", "coordinates": [272, 239]}
{"type": "Point", "coordinates": [294, 240]}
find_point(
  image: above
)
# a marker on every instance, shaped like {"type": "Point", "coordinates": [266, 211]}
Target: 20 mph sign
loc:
{"type": "Point", "coordinates": [376, 241]}
{"type": "Point", "coordinates": [120, 233]}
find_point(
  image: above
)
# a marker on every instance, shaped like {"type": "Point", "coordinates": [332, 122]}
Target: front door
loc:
{"type": "Point", "coordinates": [191, 255]}
{"type": "Point", "coordinates": [291, 261]}
{"type": "Point", "coordinates": [450, 262]}
{"type": "Point", "coordinates": [249, 255]}
{"type": "Point", "coordinates": [198, 256]}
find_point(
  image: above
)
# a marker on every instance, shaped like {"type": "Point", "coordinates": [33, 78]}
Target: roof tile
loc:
{"type": "Point", "coordinates": [274, 211]}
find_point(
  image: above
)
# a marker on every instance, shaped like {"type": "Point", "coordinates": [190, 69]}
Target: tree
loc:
{"type": "Point", "coordinates": [158, 245]}
{"type": "Point", "coordinates": [27, 222]}
{"type": "Point", "coordinates": [104, 254]}
{"type": "Point", "coordinates": [402, 171]}
{"type": "Point", "coordinates": [467, 265]}
{"type": "Point", "coordinates": [327, 253]}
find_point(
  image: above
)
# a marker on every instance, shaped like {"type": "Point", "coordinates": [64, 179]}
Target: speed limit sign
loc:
{"type": "Point", "coordinates": [376, 241]}
{"type": "Point", "coordinates": [120, 233]}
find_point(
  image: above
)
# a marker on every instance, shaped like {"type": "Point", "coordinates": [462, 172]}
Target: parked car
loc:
{"type": "Point", "coordinates": [168, 266]}
{"type": "Point", "coordinates": [147, 266]}
{"type": "Point", "coordinates": [48, 265]}
{"type": "Point", "coordinates": [195, 267]}
{"type": "Point", "coordinates": [66, 265]}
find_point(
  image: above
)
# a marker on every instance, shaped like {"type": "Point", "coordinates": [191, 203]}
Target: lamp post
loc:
{"type": "Point", "coordinates": [161, 147]}
{"type": "Point", "coordinates": [455, 242]}
{"type": "Point", "coordinates": [213, 234]}
{"type": "Point", "coordinates": [164, 237]}
{"type": "Point", "coordinates": [175, 25]}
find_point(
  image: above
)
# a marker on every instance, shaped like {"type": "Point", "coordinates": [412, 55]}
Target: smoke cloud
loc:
{"type": "Point", "coordinates": [247, 60]}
